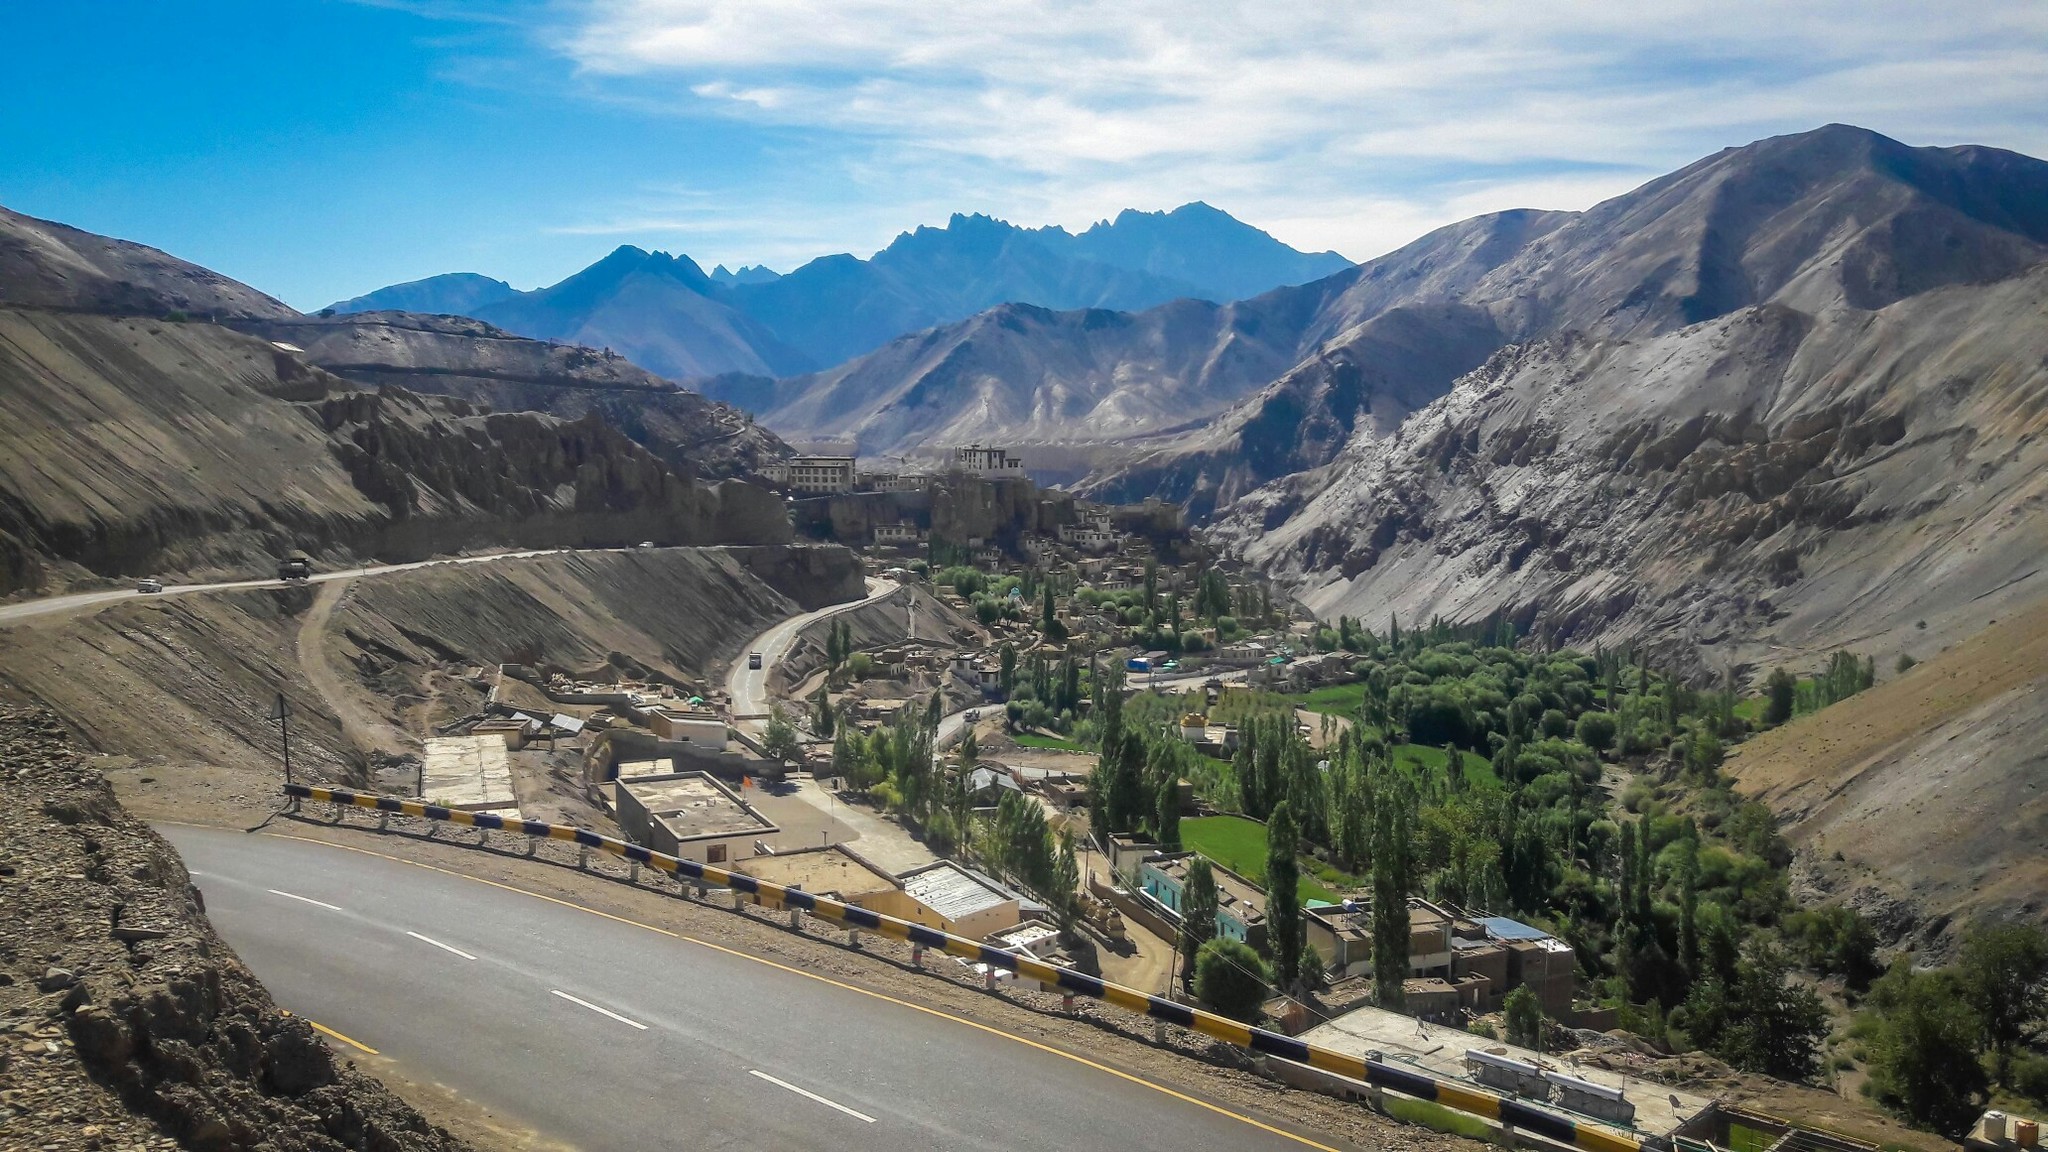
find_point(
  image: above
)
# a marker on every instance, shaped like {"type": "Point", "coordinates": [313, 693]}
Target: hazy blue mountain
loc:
{"type": "Point", "coordinates": [747, 274]}
{"type": "Point", "coordinates": [1222, 256]}
{"type": "Point", "coordinates": [664, 312]}
{"type": "Point", "coordinates": [449, 294]}
{"type": "Point", "coordinates": [660, 311]}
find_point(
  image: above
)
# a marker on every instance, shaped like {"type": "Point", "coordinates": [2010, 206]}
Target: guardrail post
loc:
{"type": "Point", "coordinates": [433, 828]}
{"type": "Point", "coordinates": [531, 844]}
{"type": "Point", "coordinates": [383, 821]}
{"type": "Point", "coordinates": [1067, 1003]}
{"type": "Point", "coordinates": [1159, 1032]}
{"type": "Point", "coordinates": [853, 938]}
{"type": "Point", "coordinates": [703, 893]}
{"type": "Point", "coordinates": [988, 979]}
{"type": "Point", "coordinates": [295, 805]}
{"type": "Point", "coordinates": [337, 812]}
{"type": "Point", "coordinates": [796, 918]}
{"type": "Point", "coordinates": [583, 856]}
{"type": "Point", "coordinates": [739, 899]}
{"type": "Point", "coordinates": [483, 837]}
{"type": "Point", "coordinates": [633, 875]}
{"type": "Point", "coordinates": [917, 955]}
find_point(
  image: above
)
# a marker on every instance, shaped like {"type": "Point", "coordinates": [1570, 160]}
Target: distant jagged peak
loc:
{"type": "Point", "coordinates": [746, 274]}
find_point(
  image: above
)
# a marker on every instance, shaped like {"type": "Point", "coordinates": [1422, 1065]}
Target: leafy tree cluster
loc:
{"type": "Point", "coordinates": [1939, 1039]}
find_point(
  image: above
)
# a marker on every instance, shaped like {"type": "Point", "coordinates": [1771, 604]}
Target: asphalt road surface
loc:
{"type": "Point", "coordinates": [28, 609]}
{"type": "Point", "coordinates": [747, 688]}
{"type": "Point", "coordinates": [604, 1034]}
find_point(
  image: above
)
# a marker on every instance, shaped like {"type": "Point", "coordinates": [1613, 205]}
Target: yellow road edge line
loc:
{"type": "Point", "coordinates": [326, 1031]}
{"type": "Point", "coordinates": [991, 1030]}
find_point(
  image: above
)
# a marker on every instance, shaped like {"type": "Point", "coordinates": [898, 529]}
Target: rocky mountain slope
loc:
{"type": "Point", "coordinates": [136, 437]}
{"type": "Point", "coordinates": [131, 1024]}
{"type": "Point", "coordinates": [1762, 401]}
{"type": "Point", "coordinates": [665, 312]}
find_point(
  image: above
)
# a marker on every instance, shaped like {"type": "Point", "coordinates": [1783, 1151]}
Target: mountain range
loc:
{"type": "Point", "coordinates": [666, 313]}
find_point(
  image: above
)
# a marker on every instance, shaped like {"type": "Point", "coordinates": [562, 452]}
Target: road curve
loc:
{"type": "Point", "coordinates": [605, 1034]}
{"type": "Point", "coordinates": [747, 688]}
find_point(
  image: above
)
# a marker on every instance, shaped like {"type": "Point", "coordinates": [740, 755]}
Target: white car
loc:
{"type": "Point", "coordinates": [149, 584]}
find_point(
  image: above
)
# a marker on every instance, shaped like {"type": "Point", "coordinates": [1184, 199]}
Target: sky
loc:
{"type": "Point", "coordinates": [318, 149]}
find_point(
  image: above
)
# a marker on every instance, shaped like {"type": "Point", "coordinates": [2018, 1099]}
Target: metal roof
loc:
{"type": "Point", "coordinates": [950, 891]}
{"type": "Point", "coordinates": [1502, 928]}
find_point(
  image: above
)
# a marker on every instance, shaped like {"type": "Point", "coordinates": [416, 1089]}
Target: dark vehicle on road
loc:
{"type": "Point", "coordinates": [753, 659]}
{"type": "Point", "coordinates": [294, 568]}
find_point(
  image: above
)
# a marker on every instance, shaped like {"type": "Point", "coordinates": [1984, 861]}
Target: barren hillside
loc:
{"type": "Point", "coordinates": [1924, 801]}
{"type": "Point", "coordinates": [137, 437]}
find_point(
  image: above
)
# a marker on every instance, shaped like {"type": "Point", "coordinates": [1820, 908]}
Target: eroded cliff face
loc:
{"type": "Point", "coordinates": [131, 445]}
{"type": "Point", "coordinates": [496, 370]}
{"type": "Point", "coordinates": [134, 1021]}
{"type": "Point", "coordinates": [1769, 481]}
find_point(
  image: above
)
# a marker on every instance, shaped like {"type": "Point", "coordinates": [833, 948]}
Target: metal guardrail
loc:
{"type": "Point", "coordinates": [1378, 1074]}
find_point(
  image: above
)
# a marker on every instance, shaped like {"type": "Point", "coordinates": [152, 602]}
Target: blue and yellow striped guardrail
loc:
{"type": "Point", "coordinates": [1379, 1074]}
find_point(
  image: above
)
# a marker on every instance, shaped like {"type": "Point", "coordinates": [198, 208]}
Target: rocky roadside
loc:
{"type": "Point", "coordinates": [125, 1022]}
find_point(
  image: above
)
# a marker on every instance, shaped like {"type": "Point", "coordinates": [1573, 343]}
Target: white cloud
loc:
{"type": "Point", "coordinates": [1354, 126]}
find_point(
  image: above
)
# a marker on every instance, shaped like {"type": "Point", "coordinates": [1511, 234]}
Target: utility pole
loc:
{"type": "Point", "coordinates": [281, 712]}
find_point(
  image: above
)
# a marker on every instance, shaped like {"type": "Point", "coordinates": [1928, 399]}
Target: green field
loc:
{"type": "Point", "coordinates": [1240, 845]}
{"type": "Point", "coordinates": [1422, 758]}
{"type": "Point", "coordinates": [1336, 699]}
{"type": "Point", "coordinates": [1034, 740]}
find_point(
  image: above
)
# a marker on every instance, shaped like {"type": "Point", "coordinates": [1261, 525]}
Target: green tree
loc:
{"type": "Point", "coordinates": [1923, 1058]}
{"type": "Point", "coordinates": [1596, 730]}
{"type": "Point", "coordinates": [1197, 914]}
{"type": "Point", "coordinates": [1390, 929]}
{"type": "Point", "coordinates": [1231, 978]}
{"type": "Point", "coordinates": [1524, 1017]}
{"type": "Point", "coordinates": [1007, 676]}
{"type": "Point", "coordinates": [1066, 884]}
{"type": "Point", "coordinates": [1781, 691]}
{"type": "Point", "coordinates": [1166, 817]}
{"type": "Point", "coordinates": [970, 751]}
{"type": "Point", "coordinates": [1285, 926]}
{"type": "Point", "coordinates": [2004, 973]}
{"type": "Point", "coordinates": [825, 720]}
{"type": "Point", "coordinates": [1760, 1022]}
{"type": "Point", "coordinates": [779, 741]}
{"type": "Point", "coordinates": [1127, 801]}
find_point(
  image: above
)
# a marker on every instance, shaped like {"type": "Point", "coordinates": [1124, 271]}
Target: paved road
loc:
{"type": "Point", "coordinates": [29, 609]}
{"type": "Point", "coordinates": [747, 688]}
{"type": "Point", "coordinates": [603, 1034]}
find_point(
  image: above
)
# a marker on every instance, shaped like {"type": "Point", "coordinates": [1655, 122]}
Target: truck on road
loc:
{"type": "Point", "coordinates": [753, 659]}
{"type": "Point", "coordinates": [294, 568]}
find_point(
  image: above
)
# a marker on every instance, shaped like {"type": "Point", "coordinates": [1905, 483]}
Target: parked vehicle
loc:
{"type": "Point", "coordinates": [149, 584]}
{"type": "Point", "coordinates": [294, 568]}
{"type": "Point", "coordinates": [753, 659]}
{"type": "Point", "coordinates": [973, 714]}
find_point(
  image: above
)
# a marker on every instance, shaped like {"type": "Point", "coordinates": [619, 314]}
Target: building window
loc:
{"type": "Point", "coordinates": [714, 854]}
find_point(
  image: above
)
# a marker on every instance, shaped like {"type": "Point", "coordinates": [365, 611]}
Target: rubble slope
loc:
{"type": "Point", "coordinates": [130, 1023]}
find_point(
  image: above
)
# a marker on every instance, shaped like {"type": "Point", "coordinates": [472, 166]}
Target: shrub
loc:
{"type": "Point", "coordinates": [1231, 978]}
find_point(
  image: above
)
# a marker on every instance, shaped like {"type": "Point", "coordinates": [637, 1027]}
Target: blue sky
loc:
{"type": "Point", "coordinates": [322, 148]}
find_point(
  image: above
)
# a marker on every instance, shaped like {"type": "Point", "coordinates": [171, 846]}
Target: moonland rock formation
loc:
{"type": "Point", "coordinates": [469, 359]}
{"type": "Point", "coordinates": [137, 437]}
{"type": "Point", "coordinates": [129, 1020]}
